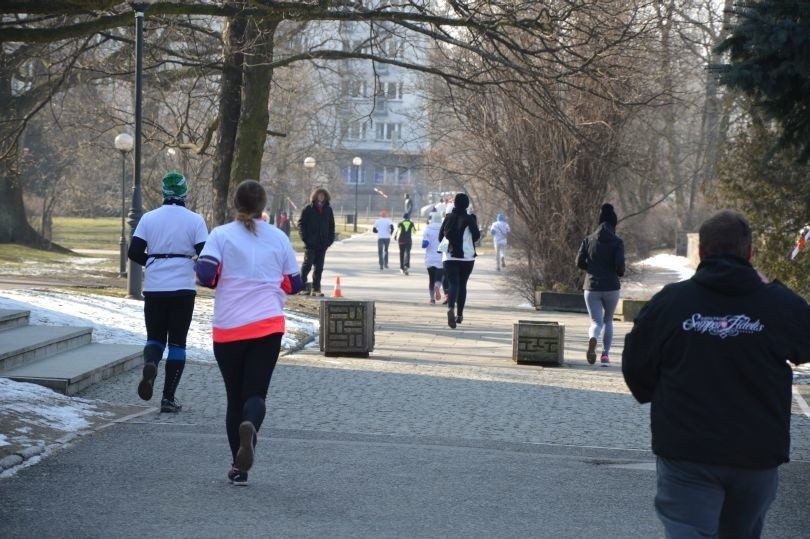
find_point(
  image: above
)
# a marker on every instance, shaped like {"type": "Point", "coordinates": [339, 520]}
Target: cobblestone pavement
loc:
{"type": "Point", "coordinates": [437, 434]}
{"type": "Point", "coordinates": [425, 379]}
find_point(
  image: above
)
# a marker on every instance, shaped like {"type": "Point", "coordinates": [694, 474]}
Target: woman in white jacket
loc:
{"type": "Point", "coordinates": [500, 230]}
{"type": "Point", "coordinates": [433, 257]}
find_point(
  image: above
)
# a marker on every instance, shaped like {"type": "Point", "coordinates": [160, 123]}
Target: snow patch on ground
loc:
{"type": "Point", "coordinates": [672, 263]}
{"type": "Point", "coordinates": [119, 320]}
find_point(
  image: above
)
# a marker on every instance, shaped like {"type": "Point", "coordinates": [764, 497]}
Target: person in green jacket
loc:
{"type": "Point", "coordinates": [404, 237]}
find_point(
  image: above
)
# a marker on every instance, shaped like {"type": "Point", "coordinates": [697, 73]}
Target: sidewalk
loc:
{"type": "Point", "coordinates": [437, 434]}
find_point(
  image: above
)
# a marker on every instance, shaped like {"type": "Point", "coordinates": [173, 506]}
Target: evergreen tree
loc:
{"type": "Point", "coordinates": [769, 54]}
{"type": "Point", "coordinates": [773, 191]}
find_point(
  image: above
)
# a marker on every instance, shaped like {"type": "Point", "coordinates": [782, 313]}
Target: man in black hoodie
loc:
{"type": "Point", "coordinates": [711, 356]}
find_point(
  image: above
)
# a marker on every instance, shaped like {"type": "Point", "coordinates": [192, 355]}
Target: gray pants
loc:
{"type": "Point", "coordinates": [704, 500]}
{"type": "Point", "coordinates": [601, 306]}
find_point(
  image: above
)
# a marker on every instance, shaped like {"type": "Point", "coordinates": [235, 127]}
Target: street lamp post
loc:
{"type": "Point", "coordinates": [356, 162]}
{"type": "Point", "coordinates": [135, 274]}
{"type": "Point", "coordinates": [309, 164]}
{"type": "Point", "coordinates": [123, 143]}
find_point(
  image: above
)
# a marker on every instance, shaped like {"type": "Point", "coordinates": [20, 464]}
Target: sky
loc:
{"type": "Point", "coordinates": [112, 322]}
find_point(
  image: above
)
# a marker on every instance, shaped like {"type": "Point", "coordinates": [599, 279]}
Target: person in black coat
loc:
{"type": "Point", "coordinates": [711, 356]}
{"type": "Point", "coordinates": [460, 229]}
{"type": "Point", "coordinates": [601, 255]}
{"type": "Point", "coordinates": [317, 230]}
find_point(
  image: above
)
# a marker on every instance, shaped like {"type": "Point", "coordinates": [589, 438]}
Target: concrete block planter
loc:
{"type": "Point", "coordinates": [540, 343]}
{"type": "Point", "coordinates": [347, 327]}
{"type": "Point", "coordinates": [560, 301]}
{"type": "Point", "coordinates": [629, 308]}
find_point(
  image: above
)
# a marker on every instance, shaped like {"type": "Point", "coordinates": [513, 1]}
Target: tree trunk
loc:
{"type": "Point", "coordinates": [230, 104]}
{"type": "Point", "coordinates": [14, 227]}
{"type": "Point", "coordinates": [254, 117]}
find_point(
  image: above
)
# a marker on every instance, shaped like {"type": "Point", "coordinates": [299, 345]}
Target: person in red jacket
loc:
{"type": "Point", "coordinates": [711, 356]}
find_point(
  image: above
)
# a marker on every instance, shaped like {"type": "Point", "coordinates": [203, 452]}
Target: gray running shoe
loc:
{"type": "Point", "coordinates": [147, 383]}
{"type": "Point", "coordinates": [170, 406]}
{"type": "Point", "coordinates": [247, 439]}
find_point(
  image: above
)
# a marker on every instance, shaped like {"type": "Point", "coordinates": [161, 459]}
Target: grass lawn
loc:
{"type": "Point", "coordinates": [102, 233]}
{"type": "Point", "coordinates": [12, 253]}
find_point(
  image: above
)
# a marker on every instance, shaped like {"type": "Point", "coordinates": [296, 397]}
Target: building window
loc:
{"type": "Point", "coordinates": [392, 90]}
{"type": "Point", "coordinates": [391, 175]}
{"type": "Point", "coordinates": [358, 88]}
{"type": "Point", "coordinates": [389, 89]}
{"type": "Point", "coordinates": [391, 48]}
{"type": "Point", "coordinates": [356, 130]}
{"type": "Point", "coordinates": [379, 175]}
{"type": "Point", "coordinates": [351, 173]}
{"type": "Point", "coordinates": [387, 131]}
{"type": "Point", "coordinates": [404, 176]}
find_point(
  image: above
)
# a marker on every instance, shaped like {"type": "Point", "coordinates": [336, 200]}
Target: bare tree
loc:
{"type": "Point", "coordinates": [551, 147]}
{"type": "Point", "coordinates": [540, 54]}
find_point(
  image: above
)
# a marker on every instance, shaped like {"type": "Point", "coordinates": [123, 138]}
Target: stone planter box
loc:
{"type": "Point", "coordinates": [560, 301]}
{"type": "Point", "coordinates": [347, 327]}
{"type": "Point", "coordinates": [629, 308]}
{"type": "Point", "coordinates": [538, 343]}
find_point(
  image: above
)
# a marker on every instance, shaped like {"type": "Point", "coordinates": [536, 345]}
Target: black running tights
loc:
{"type": "Point", "coordinates": [457, 272]}
{"type": "Point", "coordinates": [246, 368]}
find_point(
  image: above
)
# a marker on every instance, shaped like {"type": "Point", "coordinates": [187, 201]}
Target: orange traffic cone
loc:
{"type": "Point", "coordinates": [336, 292]}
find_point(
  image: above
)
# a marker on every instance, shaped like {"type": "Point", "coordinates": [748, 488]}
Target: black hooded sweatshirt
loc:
{"type": "Point", "coordinates": [710, 354]}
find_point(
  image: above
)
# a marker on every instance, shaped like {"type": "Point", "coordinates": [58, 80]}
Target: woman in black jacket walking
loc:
{"type": "Point", "coordinates": [601, 255]}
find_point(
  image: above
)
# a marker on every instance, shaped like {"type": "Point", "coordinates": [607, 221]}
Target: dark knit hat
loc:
{"type": "Point", "coordinates": [607, 215]}
{"type": "Point", "coordinates": [174, 185]}
{"type": "Point", "coordinates": [461, 201]}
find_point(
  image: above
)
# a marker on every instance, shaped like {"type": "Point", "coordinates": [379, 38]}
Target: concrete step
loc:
{"type": "Point", "coordinates": [10, 319]}
{"type": "Point", "coordinates": [26, 344]}
{"type": "Point", "coordinates": [70, 372]}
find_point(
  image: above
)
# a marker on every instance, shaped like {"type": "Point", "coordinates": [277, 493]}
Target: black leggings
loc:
{"type": "Point", "coordinates": [457, 272]}
{"type": "Point", "coordinates": [434, 276]}
{"type": "Point", "coordinates": [246, 368]}
{"type": "Point", "coordinates": [168, 319]}
{"type": "Point", "coordinates": [405, 255]}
